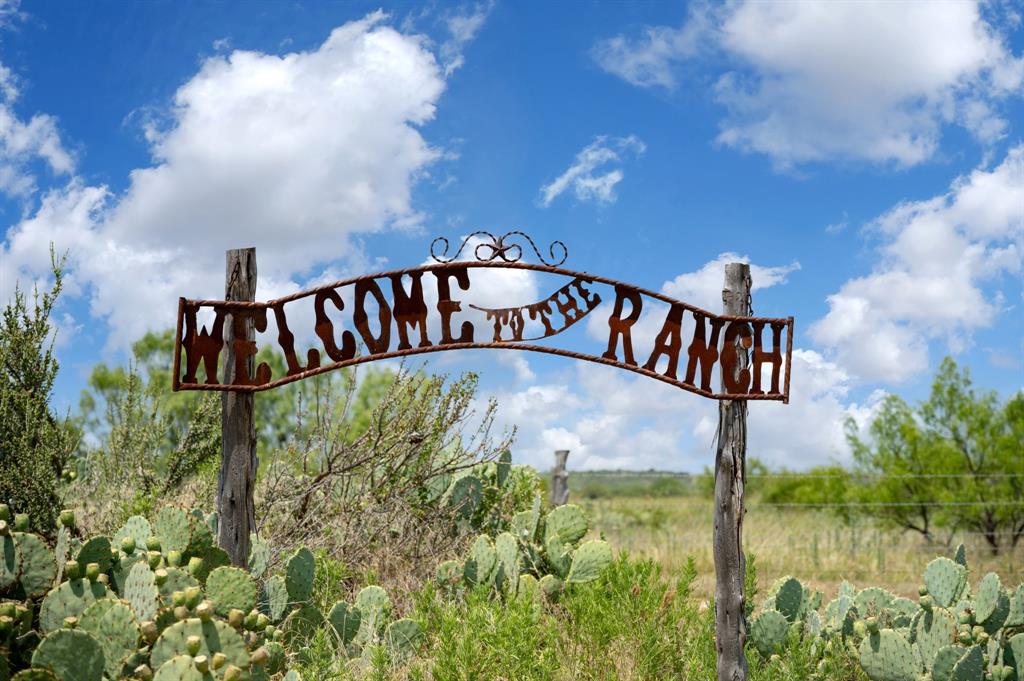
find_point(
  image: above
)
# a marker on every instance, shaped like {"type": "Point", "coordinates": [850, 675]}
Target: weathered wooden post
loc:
{"type": "Point", "coordinates": [236, 514]}
{"type": "Point", "coordinates": [730, 472]}
{"type": "Point", "coordinates": [560, 479]}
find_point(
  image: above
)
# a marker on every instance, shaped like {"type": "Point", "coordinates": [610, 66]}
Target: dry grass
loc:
{"type": "Point", "coordinates": [813, 546]}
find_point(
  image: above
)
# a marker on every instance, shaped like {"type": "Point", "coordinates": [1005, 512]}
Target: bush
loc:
{"type": "Point", "coordinates": [34, 443]}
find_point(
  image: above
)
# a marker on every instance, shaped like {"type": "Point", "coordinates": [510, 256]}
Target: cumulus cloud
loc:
{"type": "Point", "coordinates": [846, 80]}
{"type": "Point", "coordinates": [940, 261]}
{"type": "Point", "coordinates": [594, 172]}
{"type": "Point", "coordinates": [294, 154]}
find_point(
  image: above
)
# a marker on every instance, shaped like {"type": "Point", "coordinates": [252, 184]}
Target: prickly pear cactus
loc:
{"type": "Point", "coordinates": [934, 630]}
{"type": "Point", "coordinates": [231, 587]}
{"type": "Point", "coordinates": [299, 573]}
{"type": "Point", "coordinates": [345, 620]}
{"type": "Point", "coordinates": [374, 606]}
{"type": "Point", "coordinates": [970, 667]}
{"type": "Point", "coordinates": [887, 656]}
{"type": "Point", "coordinates": [112, 624]}
{"type": "Point", "coordinates": [507, 552]}
{"type": "Point", "coordinates": [181, 668]}
{"type": "Point", "coordinates": [70, 599]}
{"type": "Point", "coordinates": [259, 556]}
{"type": "Point", "coordinates": [275, 598]}
{"type": "Point", "coordinates": [945, 580]}
{"type": "Point", "coordinates": [567, 523]}
{"type": "Point", "coordinates": [789, 599]}
{"type": "Point", "coordinates": [482, 561]}
{"type": "Point", "coordinates": [213, 637]}
{"type": "Point", "coordinates": [137, 528]}
{"type": "Point", "coordinates": [992, 603]}
{"type": "Point", "coordinates": [8, 559]}
{"type": "Point", "coordinates": [36, 564]}
{"type": "Point", "coordinates": [768, 632]}
{"type": "Point", "coordinates": [96, 550]}
{"type": "Point", "coordinates": [173, 528]}
{"type": "Point", "coordinates": [464, 496]}
{"type": "Point", "coordinates": [402, 637]}
{"type": "Point", "coordinates": [174, 579]}
{"type": "Point", "coordinates": [588, 561]}
{"type": "Point", "coordinates": [70, 654]}
{"type": "Point", "coordinates": [141, 592]}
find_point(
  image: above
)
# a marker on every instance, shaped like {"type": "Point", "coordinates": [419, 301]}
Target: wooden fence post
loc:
{"type": "Point", "coordinates": [730, 472]}
{"type": "Point", "coordinates": [560, 479]}
{"type": "Point", "coordinates": [236, 514]}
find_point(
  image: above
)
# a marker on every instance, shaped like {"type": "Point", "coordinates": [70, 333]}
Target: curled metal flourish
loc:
{"type": "Point", "coordinates": [499, 249]}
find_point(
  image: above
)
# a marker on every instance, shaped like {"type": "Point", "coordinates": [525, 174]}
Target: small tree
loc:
{"type": "Point", "coordinates": [34, 443]}
{"type": "Point", "coordinates": [956, 461]}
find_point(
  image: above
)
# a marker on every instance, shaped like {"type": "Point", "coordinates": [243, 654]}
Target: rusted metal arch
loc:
{"type": "Point", "coordinates": [463, 265]}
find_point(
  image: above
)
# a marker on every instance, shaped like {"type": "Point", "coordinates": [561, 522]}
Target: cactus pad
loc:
{"type": "Point", "coordinates": [550, 586]}
{"type": "Point", "coordinates": [35, 674]}
{"type": "Point", "coordinates": [992, 603]}
{"type": "Point", "coordinates": [70, 599]}
{"type": "Point", "coordinates": [887, 656]}
{"type": "Point", "coordinates": [36, 564]}
{"type": "Point", "coordinates": [214, 637]}
{"type": "Point", "coordinates": [112, 623]}
{"type": "Point", "coordinates": [588, 561]}
{"type": "Point", "coordinates": [298, 576]}
{"type": "Point", "coordinates": [177, 580]}
{"type": "Point", "coordinates": [231, 587]}
{"type": "Point", "coordinates": [567, 523]}
{"type": "Point", "coordinates": [173, 528]}
{"type": "Point", "coordinates": [402, 637]}
{"type": "Point", "coordinates": [482, 561]}
{"type": "Point", "coordinates": [524, 524]}
{"type": "Point", "coordinates": [970, 667]}
{"type": "Point", "coordinates": [301, 625]}
{"type": "Point", "coordinates": [275, 598]}
{"type": "Point", "coordinates": [259, 556]}
{"type": "Point", "coordinates": [1016, 616]}
{"type": "Point", "coordinates": [136, 527]}
{"type": "Point", "coordinates": [374, 605]}
{"type": "Point", "coordinates": [789, 599]}
{"type": "Point", "coordinates": [96, 550]}
{"type": "Point", "coordinates": [934, 629]}
{"type": "Point", "coordinates": [945, 581]}
{"type": "Point", "coordinates": [872, 601]}
{"type": "Point", "coordinates": [8, 562]}
{"type": "Point", "coordinates": [70, 654]}
{"type": "Point", "coordinates": [141, 592]}
{"type": "Point", "coordinates": [768, 632]}
{"type": "Point", "coordinates": [60, 550]}
{"type": "Point", "coordinates": [507, 551]}
{"type": "Point", "coordinates": [449, 575]}
{"type": "Point", "coordinates": [464, 496]}
{"type": "Point", "coordinates": [181, 668]}
{"type": "Point", "coordinates": [345, 620]}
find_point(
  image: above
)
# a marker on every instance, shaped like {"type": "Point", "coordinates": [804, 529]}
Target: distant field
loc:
{"type": "Point", "coordinates": [670, 519]}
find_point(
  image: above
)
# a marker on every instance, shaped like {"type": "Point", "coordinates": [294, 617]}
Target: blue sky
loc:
{"type": "Point", "coordinates": [866, 158]}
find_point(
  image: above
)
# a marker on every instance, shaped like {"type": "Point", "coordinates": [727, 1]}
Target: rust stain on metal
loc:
{"type": "Point", "coordinates": [390, 318]}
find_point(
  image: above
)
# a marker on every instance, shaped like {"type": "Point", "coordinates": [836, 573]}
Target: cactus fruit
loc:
{"type": "Point", "coordinates": [588, 561]}
{"type": "Point", "coordinates": [67, 519]}
{"type": "Point", "coordinates": [68, 599]}
{"type": "Point", "coordinates": [231, 587]}
{"type": "Point", "coordinates": [768, 632]}
{"type": "Point", "coordinates": [36, 564]}
{"type": "Point", "coordinates": [299, 572]}
{"type": "Point", "coordinates": [112, 623]}
{"type": "Point", "coordinates": [887, 656]}
{"type": "Point", "coordinates": [70, 654]}
{"type": "Point", "coordinates": [21, 522]}
{"type": "Point", "coordinates": [206, 638]}
{"type": "Point", "coordinates": [175, 580]}
{"type": "Point", "coordinates": [345, 620]}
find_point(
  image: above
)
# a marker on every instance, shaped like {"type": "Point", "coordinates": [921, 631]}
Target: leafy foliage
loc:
{"type": "Point", "coordinates": [34, 443]}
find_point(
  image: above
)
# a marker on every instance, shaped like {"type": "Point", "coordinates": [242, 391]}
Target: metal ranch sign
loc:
{"type": "Point", "coordinates": [426, 309]}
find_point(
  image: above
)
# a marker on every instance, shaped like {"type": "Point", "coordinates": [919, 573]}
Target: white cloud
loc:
{"type": "Point", "coordinates": [25, 142]}
{"type": "Point", "coordinates": [462, 29]}
{"type": "Point", "coordinates": [842, 80]}
{"type": "Point", "coordinates": [292, 154]}
{"type": "Point", "coordinates": [651, 59]}
{"type": "Point", "coordinates": [939, 263]}
{"type": "Point", "coordinates": [703, 288]}
{"type": "Point", "coordinates": [591, 176]}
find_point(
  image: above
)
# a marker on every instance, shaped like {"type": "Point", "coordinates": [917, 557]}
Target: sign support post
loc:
{"type": "Point", "coordinates": [236, 513]}
{"type": "Point", "coordinates": [730, 474]}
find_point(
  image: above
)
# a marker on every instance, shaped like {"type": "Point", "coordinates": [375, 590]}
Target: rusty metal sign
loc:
{"type": "Point", "coordinates": [390, 317]}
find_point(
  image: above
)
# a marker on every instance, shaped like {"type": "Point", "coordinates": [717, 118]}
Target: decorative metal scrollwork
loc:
{"type": "Point", "coordinates": [500, 249]}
